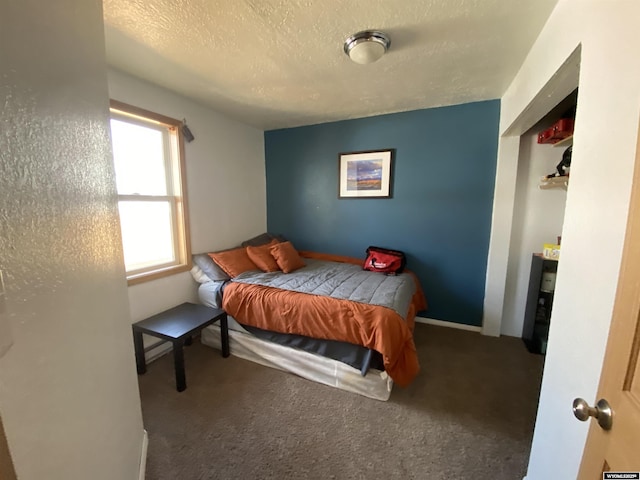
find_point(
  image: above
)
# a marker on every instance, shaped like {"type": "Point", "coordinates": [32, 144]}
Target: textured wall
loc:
{"type": "Point", "coordinates": [68, 391]}
{"type": "Point", "coordinates": [440, 213]}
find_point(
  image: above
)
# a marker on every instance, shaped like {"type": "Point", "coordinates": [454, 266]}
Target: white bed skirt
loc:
{"type": "Point", "coordinates": [375, 384]}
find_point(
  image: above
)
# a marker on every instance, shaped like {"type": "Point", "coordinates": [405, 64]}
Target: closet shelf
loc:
{"type": "Point", "coordinates": [554, 182]}
{"type": "Point", "coordinates": [565, 142]}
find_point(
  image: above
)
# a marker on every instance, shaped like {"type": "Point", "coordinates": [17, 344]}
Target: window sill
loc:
{"type": "Point", "coordinates": [156, 274]}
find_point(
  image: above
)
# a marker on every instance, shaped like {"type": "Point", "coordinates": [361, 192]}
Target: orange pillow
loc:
{"type": "Point", "coordinates": [233, 262]}
{"type": "Point", "coordinates": [286, 257]}
{"type": "Point", "coordinates": [262, 257]}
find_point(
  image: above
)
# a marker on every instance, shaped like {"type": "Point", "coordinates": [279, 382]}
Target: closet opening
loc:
{"type": "Point", "coordinates": [542, 183]}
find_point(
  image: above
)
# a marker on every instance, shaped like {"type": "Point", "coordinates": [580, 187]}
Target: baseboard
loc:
{"type": "Point", "coordinates": [143, 455]}
{"type": "Point", "coordinates": [442, 323]}
{"type": "Point", "coordinates": [160, 348]}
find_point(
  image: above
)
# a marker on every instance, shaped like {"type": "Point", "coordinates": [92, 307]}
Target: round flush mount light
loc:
{"type": "Point", "coordinates": [367, 46]}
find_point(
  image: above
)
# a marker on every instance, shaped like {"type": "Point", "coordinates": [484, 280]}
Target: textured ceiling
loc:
{"type": "Point", "coordinates": [279, 63]}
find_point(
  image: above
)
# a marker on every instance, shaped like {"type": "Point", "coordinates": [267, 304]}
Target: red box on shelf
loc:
{"type": "Point", "coordinates": [560, 130]}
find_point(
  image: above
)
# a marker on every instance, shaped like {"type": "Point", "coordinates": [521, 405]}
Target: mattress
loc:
{"type": "Point", "coordinates": [375, 384]}
{"type": "Point", "coordinates": [356, 356]}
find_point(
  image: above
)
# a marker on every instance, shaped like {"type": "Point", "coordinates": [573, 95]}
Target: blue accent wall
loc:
{"type": "Point", "coordinates": [440, 213]}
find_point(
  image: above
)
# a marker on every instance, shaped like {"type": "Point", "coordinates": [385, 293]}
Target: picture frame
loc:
{"type": "Point", "coordinates": [366, 174]}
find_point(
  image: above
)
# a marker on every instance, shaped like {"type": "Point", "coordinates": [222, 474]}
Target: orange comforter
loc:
{"type": "Point", "coordinates": [372, 326]}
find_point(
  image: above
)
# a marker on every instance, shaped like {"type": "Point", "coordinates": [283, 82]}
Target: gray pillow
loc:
{"type": "Point", "coordinates": [209, 267]}
{"type": "Point", "coordinates": [262, 239]}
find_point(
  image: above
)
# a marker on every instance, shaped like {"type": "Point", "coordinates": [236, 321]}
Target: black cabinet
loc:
{"type": "Point", "coordinates": [537, 313]}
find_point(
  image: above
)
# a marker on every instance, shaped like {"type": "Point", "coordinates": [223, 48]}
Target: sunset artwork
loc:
{"type": "Point", "coordinates": [364, 174]}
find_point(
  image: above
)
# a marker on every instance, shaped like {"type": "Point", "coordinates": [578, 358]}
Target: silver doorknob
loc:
{"type": "Point", "coordinates": [601, 412]}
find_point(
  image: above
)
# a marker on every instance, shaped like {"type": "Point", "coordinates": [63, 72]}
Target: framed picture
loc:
{"type": "Point", "coordinates": [365, 174]}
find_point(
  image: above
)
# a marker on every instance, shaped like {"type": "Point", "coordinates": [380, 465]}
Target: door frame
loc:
{"type": "Point", "coordinates": [564, 81]}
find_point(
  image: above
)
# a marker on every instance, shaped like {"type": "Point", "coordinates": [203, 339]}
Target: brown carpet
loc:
{"type": "Point", "coordinates": [468, 415]}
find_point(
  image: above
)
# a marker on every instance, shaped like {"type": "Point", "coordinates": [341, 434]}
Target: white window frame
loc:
{"type": "Point", "coordinates": [176, 189]}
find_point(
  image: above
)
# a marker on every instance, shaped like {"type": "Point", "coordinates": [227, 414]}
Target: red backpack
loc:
{"type": "Point", "coordinates": [384, 260]}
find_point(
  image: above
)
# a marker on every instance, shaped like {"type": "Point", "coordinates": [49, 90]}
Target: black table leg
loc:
{"type": "Point", "coordinates": [178, 361]}
{"type": "Point", "coordinates": [224, 335]}
{"type": "Point", "coordinates": [138, 346]}
{"type": "Point", "coordinates": [188, 340]}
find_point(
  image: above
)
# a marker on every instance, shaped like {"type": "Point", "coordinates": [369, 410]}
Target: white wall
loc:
{"type": "Point", "coordinates": [538, 217]}
{"type": "Point", "coordinates": [226, 184]}
{"type": "Point", "coordinates": [499, 241]}
{"type": "Point", "coordinates": [597, 206]}
{"type": "Point", "coordinates": [68, 392]}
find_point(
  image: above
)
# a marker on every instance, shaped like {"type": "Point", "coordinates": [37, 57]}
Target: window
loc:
{"type": "Point", "coordinates": [148, 156]}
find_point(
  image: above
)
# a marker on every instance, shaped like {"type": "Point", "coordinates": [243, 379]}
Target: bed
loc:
{"type": "Point", "coordinates": [329, 321]}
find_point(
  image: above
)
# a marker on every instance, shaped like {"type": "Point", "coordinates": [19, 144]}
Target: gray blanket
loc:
{"type": "Point", "coordinates": [343, 281]}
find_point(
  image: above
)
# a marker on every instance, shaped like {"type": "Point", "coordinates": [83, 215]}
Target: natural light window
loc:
{"type": "Point", "coordinates": [147, 153]}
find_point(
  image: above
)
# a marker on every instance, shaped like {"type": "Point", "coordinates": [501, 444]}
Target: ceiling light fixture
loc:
{"type": "Point", "coordinates": [367, 46]}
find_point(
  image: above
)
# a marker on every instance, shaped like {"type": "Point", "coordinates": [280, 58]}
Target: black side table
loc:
{"type": "Point", "coordinates": [177, 325]}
